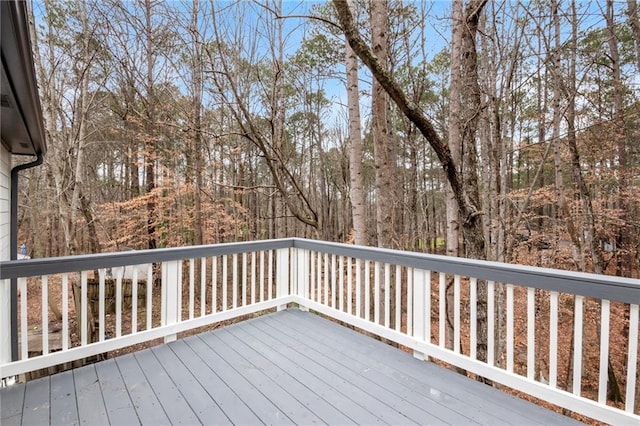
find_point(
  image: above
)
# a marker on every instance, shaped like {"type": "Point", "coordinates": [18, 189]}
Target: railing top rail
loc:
{"type": "Point", "coordinates": [620, 289]}
{"type": "Point", "coordinates": [86, 262]}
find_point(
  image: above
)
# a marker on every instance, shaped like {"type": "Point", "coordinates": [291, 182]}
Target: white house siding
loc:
{"type": "Point", "coordinates": [5, 205]}
{"type": "Point", "coordinates": [5, 226]}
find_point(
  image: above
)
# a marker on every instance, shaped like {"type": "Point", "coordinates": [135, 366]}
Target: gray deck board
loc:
{"type": "Point", "coordinates": [373, 358]}
{"type": "Point", "coordinates": [252, 371]}
{"type": "Point", "coordinates": [11, 404]}
{"type": "Point", "coordinates": [427, 379]}
{"type": "Point", "coordinates": [114, 392]}
{"type": "Point", "coordinates": [369, 407]}
{"type": "Point", "coordinates": [259, 403]}
{"type": "Point", "coordinates": [145, 400]}
{"type": "Point", "coordinates": [63, 401]}
{"type": "Point", "coordinates": [200, 401]}
{"type": "Point", "coordinates": [341, 402]}
{"type": "Point", "coordinates": [171, 399]}
{"type": "Point", "coordinates": [36, 402]}
{"type": "Point", "coordinates": [233, 407]}
{"type": "Point", "coordinates": [388, 406]}
{"type": "Point", "coordinates": [89, 399]}
{"type": "Point", "coordinates": [252, 352]}
{"type": "Point", "coordinates": [290, 367]}
{"type": "Point", "coordinates": [399, 397]}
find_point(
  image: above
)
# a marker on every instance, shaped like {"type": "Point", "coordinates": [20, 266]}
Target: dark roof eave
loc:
{"type": "Point", "coordinates": [18, 66]}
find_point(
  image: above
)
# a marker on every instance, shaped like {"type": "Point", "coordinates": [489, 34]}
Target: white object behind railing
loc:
{"type": "Point", "coordinates": [399, 296]}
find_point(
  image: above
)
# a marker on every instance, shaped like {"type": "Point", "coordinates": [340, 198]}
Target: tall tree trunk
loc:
{"type": "Point", "coordinates": [623, 238]}
{"type": "Point", "coordinates": [467, 203]}
{"type": "Point", "coordinates": [474, 238]}
{"type": "Point", "coordinates": [150, 137]}
{"type": "Point", "coordinates": [195, 152]}
{"type": "Point", "coordinates": [613, 389]}
{"type": "Point", "coordinates": [355, 148]}
{"type": "Point", "coordinates": [455, 144]}
{"type": "Point", "coordinates": [634, 22]}
{"type": "Point", "coordinates": [196, 73]}
{"type": "Point", "coordinates": [455, 131]}
{"type": "Point", "coordinates": [563, 214]}
{"type": "Point", "coordinates": [278, 113]}
{"type": "Point", "coordinates": [585, 194]}
{"type": "Point", "coordinates": [81, 137]}
{"type": "Point", "coordinates": [384, 153]}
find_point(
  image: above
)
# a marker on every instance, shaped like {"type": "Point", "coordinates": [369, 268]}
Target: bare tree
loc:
{"type": "Point", "coordinates": [634, 22]}
{"type": "Point", "coordinates": [455, 135]}
{"type": "Point", "coordinates": [355, 148]}
{"type": "Point", "coordinates": [270, 144]}
{"type": "Point", "coordinates": [466, 198]}
{"type": "Point", "coordinates": [624, 264]}
{"type": "Point", "coordinates": [455, 144]}
{"type": "Point", "coordinates": [384, 151]}
{"type": "Point", "coordinates": [196, 151]}
{"type": "Point", "coordinates": [67, 118]}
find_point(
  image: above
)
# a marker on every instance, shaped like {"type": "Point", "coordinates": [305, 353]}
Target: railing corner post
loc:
{"type": "Point", "coordinates": [421, 309]}
{"type": "Point", "coordinates": [170, 288]}
{"type": "Point", "coordinates": [302, 279]}
{"type": "Point", "coordinates": [282, 282]}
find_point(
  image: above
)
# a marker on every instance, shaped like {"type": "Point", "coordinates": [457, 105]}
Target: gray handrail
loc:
{"type": "Point", "coordinates": [609, 287]}
{"type": "Point", "coordinates": [613, 288]}
{"type": "Point", "coordinates": [87, 262]}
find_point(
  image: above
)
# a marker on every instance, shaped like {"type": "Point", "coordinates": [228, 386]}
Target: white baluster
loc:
{"type": "Point", "coordinates": [577, 349]}
{"type": "Point", "coordinates": [632, 359]}
{"type": "Point", "coordinates": [45, 314]}
{"type": "Point", "coordinates": [604, 351]}
{"type": "Point", "coordinates": [553, 338]}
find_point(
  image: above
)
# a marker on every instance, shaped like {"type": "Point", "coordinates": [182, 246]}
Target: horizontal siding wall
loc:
{"type": "Point", "coordinates": [5, 226]}
{"type": "Point", "coordinates": [5, 203]}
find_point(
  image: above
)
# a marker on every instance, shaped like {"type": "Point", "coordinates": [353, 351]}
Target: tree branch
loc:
{"type": "Point", "coordinates": [411, 111]}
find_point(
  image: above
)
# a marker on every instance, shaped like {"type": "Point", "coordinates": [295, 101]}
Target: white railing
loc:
{"type": "Point", "coordinates": [195, 287]}
{"type": "Point", "coordinates": [433, 305]}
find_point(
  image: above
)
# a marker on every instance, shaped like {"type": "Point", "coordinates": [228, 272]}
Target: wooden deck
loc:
{"type": "Point", "coordinates": [289, 367]}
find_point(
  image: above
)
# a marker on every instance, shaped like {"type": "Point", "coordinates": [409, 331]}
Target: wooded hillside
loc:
{"type": "Point", "coordinates": [181, 123]}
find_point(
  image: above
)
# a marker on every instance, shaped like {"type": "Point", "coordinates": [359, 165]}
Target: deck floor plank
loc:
{"type": "Point", "coordinates": [312, 377]}
{"type": "Point", "coordinates": [169, 396]}
{"type": "Point", "coordinates": [426, 378]}
{"type": "Point", "coordinates": [91, 408]}
{"type": "Point", "coordinates": [287, 379]}
{"type": "Point", "coordinates": [116, 397]}
{"type": "Point", "coordinates": [259, 403]}
{"type": "Point", "coordinates": [202, 404]}
{"type": "Point", "coordinates": [64, 408]}
{"type": "Point", "coordinates": [378, 406]}
{"type": "Point", "coordinates": [290, 367]}
{"type": "Point", "coordinates": [237, 411]}
{"type": "Point", "coordinates": [145, 401]}
{"type": "Point", "coordinates": [387, 396]}
{"type": "Point", "coordinates": [321, 348]}
{"type": "Point", "coordinates": [37, 402]}
{"type": "Point", "coordinates": [373, 358]}
{"type": "Point", "coordinates": [253, 372]}
{"type": "Point", "coordinates": [364, 358]}
{"type": "Point", "coordinates": [11, 404]}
